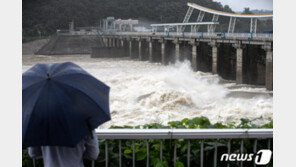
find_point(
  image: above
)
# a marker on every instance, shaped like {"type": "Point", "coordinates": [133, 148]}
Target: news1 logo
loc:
{"type": "Point", "coordinates": [262, 157]}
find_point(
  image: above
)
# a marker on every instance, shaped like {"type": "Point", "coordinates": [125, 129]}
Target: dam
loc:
{"type": "Point", "coordinates": [234, 57]}
{"type": "Point", "coordinates": [246, 57]}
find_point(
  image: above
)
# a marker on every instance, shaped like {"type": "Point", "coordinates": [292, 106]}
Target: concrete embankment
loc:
{"type": "Point", "coordinates": [66, 44]}
{"type": "Point", "coordinates": [30, 48]}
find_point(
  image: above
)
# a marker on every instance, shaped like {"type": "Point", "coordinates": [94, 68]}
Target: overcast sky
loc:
{"type": "Point", "coordinates": [239, 5]}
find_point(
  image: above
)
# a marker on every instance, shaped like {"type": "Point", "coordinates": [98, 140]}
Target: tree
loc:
{"type": "Point", "coordinates": [247, 11]}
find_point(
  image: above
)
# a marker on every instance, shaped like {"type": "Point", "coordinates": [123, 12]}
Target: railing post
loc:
{"type": "Point", "coordinates": [161, 149]}
{"type": "Point", "coordinates": [134, 155]}
{"type": "Point", "coordinates": [147, 151]}
{"type": "Point", "coordinates": [175, 152]}
{"type": "Point", "coordinates": [228, 149]}
{"type": "Point", "coordinates": [119, 145]}
{"type": "Point", "coordinates": [242, 151]}
{"type": "Point", "coordinates": [215, 154]}
{"type": "Point", "coordinates": [201, 153]}
{"type": "Point", "coordinates": [188, 152]}
{"type": "Point", "coordinates": [255, 151]}
{"type": "Point", "coordinates": [106, 153]}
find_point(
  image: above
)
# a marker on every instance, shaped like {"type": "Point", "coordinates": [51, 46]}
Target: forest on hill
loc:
{"type": "Point", "coordinates": [46, 16]}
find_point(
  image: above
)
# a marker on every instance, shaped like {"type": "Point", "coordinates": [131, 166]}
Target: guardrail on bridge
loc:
{"type": "Point", "coordinates": [216, 35]}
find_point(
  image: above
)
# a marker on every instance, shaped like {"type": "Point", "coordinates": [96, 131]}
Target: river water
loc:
{"type": "Point", "coordinates": [143, 92]}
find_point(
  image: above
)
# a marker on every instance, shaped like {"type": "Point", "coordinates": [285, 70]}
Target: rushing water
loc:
{"type": "Point", "coordinates": [143, 92]}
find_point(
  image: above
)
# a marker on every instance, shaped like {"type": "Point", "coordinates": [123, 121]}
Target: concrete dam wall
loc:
{"type": "Point", "coordinates": [70, 44]}
{"type": "Point", "coordinates": [246, 62]}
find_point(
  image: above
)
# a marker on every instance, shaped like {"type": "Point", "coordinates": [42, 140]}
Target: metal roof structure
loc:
{"type": "Point", "coordinates": [180, 26]}
{"type": "Point", "coordinates": [211, 25]}
{"type": "Point", "coordinates": [216, 12]}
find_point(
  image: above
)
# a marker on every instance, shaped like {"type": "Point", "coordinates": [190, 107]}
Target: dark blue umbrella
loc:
{"type": "Point", "coordinates": [62, 103]}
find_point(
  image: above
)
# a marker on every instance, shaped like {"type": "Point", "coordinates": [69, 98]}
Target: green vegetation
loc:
{"type": "Point", "coordinates": [44, 17]}
{"type": "Point", "coordinates": [168, 146]}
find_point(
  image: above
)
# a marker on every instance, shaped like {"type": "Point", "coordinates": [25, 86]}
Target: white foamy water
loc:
{"type": "Point", "coordinates": [143, 92]}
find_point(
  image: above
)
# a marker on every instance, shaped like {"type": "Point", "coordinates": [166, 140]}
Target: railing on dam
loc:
{"type": "Point", "coordinates": [216, 35]}
{"type": "Point", "coordinates": [206, 35]}
{"type": "Point", "coordinates": [185, 134]}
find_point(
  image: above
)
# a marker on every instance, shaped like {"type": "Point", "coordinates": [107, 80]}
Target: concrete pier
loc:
{"type": "Point", "coordinates": [239, 63]}
{"type": "Point", "coordinates": [130, 48]}
{"type": "Point", "coordinates": [194, 54]}
{"type": "Point", "coordinates": [163, 56]}
{"type": "Point", "coordinates": [177, 50]}
{"type": "Point", "coordinates": [104, 42]}
{"type": "Point", "coordinates": [163, 51]}
{"type": "Point", "coordinates": [140, 50]}
{"type": "Point", "coordinates": [150, 51]}
{"type": "Point", "coordinates": [194, 57]}
{"type": "Point", "coordinates": [122, 42]}
{"type": "Point", "coordinates": [117, 42]}
{"type": "Point", "coordinates": [110, 42]}
{"type": "Point", "coordinates": [214, 57]}
{"type": "Point", "coordinates": [269, 67]}
{"type": "Point", "coordinates": [107, 42]}
{"type": "Point", "coordinates": [114, 42]}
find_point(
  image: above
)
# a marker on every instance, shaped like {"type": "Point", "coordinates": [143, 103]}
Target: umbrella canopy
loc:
{"type": "Point", "coordinates": [62, 104]}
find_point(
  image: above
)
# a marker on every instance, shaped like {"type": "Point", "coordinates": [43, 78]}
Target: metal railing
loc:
{"type": "Point", "coordinates": [215, 35]}
{"type": "Point", "coordinates": [200, 35]}
{"type": "Point", "coordinates": [187, 134]}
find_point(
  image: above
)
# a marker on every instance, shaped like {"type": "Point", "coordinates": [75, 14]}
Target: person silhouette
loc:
{"type": "Point", "coordinates": [57, 156]}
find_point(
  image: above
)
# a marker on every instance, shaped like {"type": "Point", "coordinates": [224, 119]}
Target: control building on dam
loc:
{"type": "Point", "coordinates": [246, 58]}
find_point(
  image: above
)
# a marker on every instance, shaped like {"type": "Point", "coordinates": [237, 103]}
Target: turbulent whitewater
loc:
{"type": "Point", "coordinates": [143, 92]}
